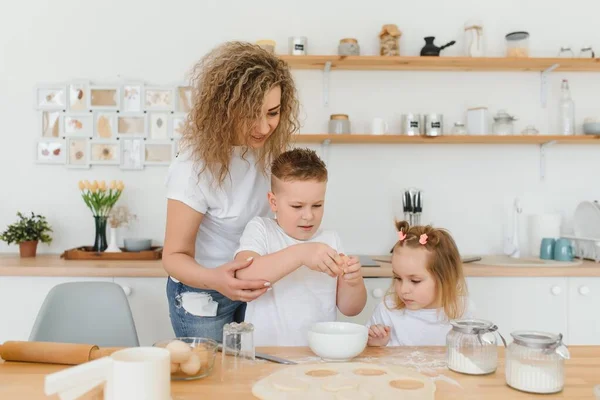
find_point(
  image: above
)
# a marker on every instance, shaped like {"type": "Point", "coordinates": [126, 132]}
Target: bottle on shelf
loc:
{"type": "Point", "coordinates": [566, 111]}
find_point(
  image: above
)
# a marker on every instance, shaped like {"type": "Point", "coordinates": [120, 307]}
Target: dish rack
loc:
{"type": "Point", "coordinates": [585, 248]}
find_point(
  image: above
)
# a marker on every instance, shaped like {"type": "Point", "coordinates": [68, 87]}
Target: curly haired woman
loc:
{"type": "Point", "coordinates": [244, 113]}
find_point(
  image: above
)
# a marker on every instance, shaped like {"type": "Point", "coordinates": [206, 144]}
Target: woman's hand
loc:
{"type": "Point", "coordinates": [223, 280]}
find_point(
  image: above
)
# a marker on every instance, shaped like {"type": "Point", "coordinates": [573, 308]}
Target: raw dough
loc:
{"type": "Point", "coordinates": [352, 381]}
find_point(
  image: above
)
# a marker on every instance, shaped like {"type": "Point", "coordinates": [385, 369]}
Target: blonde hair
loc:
{"type": "Point", "coordinates": [298, 165]}
{"type": "Point", "coordinates": [229, 86]}
{"type": "Point", "coordinates": [445, 266]}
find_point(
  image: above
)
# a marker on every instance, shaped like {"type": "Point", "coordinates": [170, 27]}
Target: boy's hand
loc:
{"type": "Point", "coordinates": [322, 258]}
{"type": "Point", "coordinates": [379, 335]}
{"type": "Point", "coordinates": [352, 271]}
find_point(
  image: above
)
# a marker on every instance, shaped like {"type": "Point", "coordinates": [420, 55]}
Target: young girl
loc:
{"type": "Point", "coordinates": [428, 290]}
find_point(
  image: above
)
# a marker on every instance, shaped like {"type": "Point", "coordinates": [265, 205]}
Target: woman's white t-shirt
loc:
{"type": "Point", "coordinates": [227, 209]}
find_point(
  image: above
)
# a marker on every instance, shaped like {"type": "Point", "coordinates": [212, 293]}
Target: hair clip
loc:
{"type": "Point", "coordinates": [401, 235]}
{"type": "Point", "coordinates": [423, 239]}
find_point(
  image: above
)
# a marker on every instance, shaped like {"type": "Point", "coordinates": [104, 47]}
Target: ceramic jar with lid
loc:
{"type": "Point", "coordinates": [471, 347]}
{"type": "Point", "coordinates": [503, 123]}
{"type": "Point", "coordinates": [535, 362]}
{"type": "Point", "coordinates": [349, 47]}
{"type": "Point", "coordinates": [339, 124]}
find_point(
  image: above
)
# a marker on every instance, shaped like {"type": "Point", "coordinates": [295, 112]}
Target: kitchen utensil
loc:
{"type": "Point", "coordinates": [546, 251]}
{"type": "Point", "coordinates": [53, 353]}
{"type": "Point", "coordinates": [297, 45]}
{"type": "Point", "coordinates": [191, 357]}
{"type": "Point", "coordinates": [337, 341]}
{"type": "Point", "coordinates": [563, 250]}
{"type": "Point", "coordinates": [133, 373]}
{"type": "Point", "coordinates": [267, 357]}
{"type": "Point", "coordinates": [412, 124]}
{"type": "Point", "coordinates": [430, 49]}
{"type": "Point", "coordinates": [434, 124]}
{"type": "Point", "coordinates": [407, 206]}
{"type": "Point", "coordinates": [586, 224]}
{"type": "Point", "coordinates": [467, 260]}
{"type": "Point", "coordinates": [134, 244]}
{"type": "Point", "coordinates": [517, 44]}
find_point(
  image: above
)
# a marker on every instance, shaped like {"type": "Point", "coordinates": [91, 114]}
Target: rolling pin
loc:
{"type": "Point", "coordinates": [53, 353]}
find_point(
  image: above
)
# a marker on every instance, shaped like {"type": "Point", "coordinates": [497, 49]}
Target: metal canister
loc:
{"type": "Point", "coordinates": [434, 124]}
{"type": "Point", "coordinates": [412, 124]}
{"type": "Point", "coordinates": [298, 45]}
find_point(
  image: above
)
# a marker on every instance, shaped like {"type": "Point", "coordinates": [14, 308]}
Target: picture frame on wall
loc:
{"type": "Point", "coordinates": [107, 97]}
{"type": "Point", "coordinates": [159, 125]}
{"type": "Point", "coordinates": [104, 152]}
{"type": "Point", "coordinates": [183, 98]}
{"type": "Point", "coordinates": [132, 125]}
{"type": "Point", "coordinates": [79, 96]}
{"type": "Point", "coordinates": [77, 125]}
{"type": "Point", "coordinates": [105, 125]}
{"type": "Point", "coordinates": [132, 153]}
{"type": "Point", "coordinates": [177, 125]}
{"type": "Point", "coordinates": [159, 98]}
{"type": "Point", "coordinates": [158, 152]}
{"type": "Point", "coordinates": [132, 96]}
{"type": "Point", "coordinates": [51, 97]}
{"type": "Point", "coordinates": [78, 153]}
{"type": "Point", "coordinates": [49, 123]}
{"type": "Point", "coordinates": [51, 151]}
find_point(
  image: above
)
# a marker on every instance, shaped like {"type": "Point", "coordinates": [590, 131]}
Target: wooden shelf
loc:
{"type": "Point", "coordinates": [468, 139]}
{"type": "Point", "coordinates": [441, 63]}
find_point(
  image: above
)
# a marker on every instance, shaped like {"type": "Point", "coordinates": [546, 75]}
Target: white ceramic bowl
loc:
{"type": "Point", "coordinates": [337, 341]}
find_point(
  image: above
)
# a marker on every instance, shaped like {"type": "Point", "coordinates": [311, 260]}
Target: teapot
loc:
{"type": "Point", "coordinates": [431, 49]}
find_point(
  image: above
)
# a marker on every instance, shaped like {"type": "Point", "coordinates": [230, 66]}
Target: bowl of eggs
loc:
{"type": "Point", "coordinates": [191, 357]}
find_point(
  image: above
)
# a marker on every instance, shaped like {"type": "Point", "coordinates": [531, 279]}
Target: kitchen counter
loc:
{"type": "Point", "coordinates": [53, 265]}
{"type": "Point", "coordinates": [582, 373]}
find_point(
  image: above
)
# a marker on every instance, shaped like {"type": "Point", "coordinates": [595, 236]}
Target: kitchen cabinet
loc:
{"type": "Point", "coordinates": [584, 311]}
{"type": "Point", "coordinates": [21, 299]}
{"type": "Point", "coordinates": [150, 308]}
{"type": "Point", "coordinates": [376, 289]}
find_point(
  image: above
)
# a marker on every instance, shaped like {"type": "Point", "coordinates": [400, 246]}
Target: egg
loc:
{"type": "Point", "coordinates": [192, 365]}
{"type": "Point", "coordinates": [180, 351]}
{"type": "Point", "coordinates": [174, 367]}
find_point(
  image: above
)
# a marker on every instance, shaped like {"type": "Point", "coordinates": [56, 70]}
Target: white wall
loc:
{"type": "Point", "coordinates": [469, 188]}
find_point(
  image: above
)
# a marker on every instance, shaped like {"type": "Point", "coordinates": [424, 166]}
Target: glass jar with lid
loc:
{"type": "Point", "coordinates": [472, 347]}
{"type": "Point", "coordinates": [459, 129]}
{"type": "Point", "coordinates": [535, 362]}
{"type": "Point", "coordinates": [503, 123]}
{"type": "Point", "coordinates": [517, 44]}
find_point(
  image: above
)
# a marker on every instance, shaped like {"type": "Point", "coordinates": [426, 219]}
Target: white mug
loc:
{"type": "Point", "coordinates": [133, 373]}
{"type": "Point", "coordinates": [379, 126]}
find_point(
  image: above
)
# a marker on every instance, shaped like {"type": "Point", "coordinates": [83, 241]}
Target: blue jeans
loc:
{"type": "Point", "coordinates": [186, 325]}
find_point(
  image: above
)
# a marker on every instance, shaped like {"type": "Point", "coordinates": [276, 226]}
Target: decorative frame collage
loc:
{"type": "Point", "coordinates": [130, 125]}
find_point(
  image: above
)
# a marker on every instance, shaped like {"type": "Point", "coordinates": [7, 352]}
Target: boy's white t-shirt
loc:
{"type": "Point", "coordinates": [424, 327]}
{"type": "Point", "coordinates": [227, 209]}
{"type": "Point", "coordinates": [282, 316]}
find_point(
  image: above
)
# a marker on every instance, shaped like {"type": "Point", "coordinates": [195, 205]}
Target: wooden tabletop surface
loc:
{"type": "Point", "coordinates": [53, 265]}
{"type": "Point", "coordinates": [25, 381]}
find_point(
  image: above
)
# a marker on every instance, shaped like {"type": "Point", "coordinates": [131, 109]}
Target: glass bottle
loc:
{"type": "Point", "coordinates": [566, 111]}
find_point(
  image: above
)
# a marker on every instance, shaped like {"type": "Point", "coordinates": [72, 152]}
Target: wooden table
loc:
{"type": "Point", "coordinates": [20, 381]}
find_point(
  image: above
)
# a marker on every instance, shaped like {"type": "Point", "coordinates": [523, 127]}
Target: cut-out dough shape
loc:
{"type": "Point", "coordinates": [369, 372]}
{"type": "Point", "coordinates": [290, 384]}
{"type": "Point", "coordinates": [338, 384]}
{"type": "Point", "coordinates": [321, 373]}
{"type": "Point", "coordinates": [407, 384]}
{"type": "Point", "coordinates": [353, 395]}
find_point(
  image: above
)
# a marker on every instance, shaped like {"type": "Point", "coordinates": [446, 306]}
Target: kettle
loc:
{"type": "Point", "coordinates": [431, 49]}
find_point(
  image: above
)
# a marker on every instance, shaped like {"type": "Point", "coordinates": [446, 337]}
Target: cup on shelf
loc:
{"type": "Point", "coordinates": [563, 250]}
{"type": "Point", "coordinates": [547, 248]}
{"type": "Point", "coordinates": [379, 126]}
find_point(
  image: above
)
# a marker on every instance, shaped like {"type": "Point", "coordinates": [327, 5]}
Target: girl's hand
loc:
{"type": "Point", "coordinates": [379, 335]}
{"type": "Point", "coordinates": [225, 282]}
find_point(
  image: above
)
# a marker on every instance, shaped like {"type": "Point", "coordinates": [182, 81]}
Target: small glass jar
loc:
{"type": "Point", "coordinates": [587, 52]}
{"type": "Point", "coordinates": [503, 123]}
{"type": "Point", "coordinates": [535, 362]}
{"type": "Point", "coordinates": [565, 52]}
{"type": "Point", "coordinates": [517, 44]}
{"type": "Point", "coordinates": [349, 47]}
{"type": "Point", "coordinates": [471, 347]}
{"type": "Point", "coordinates": [459, 129]}
{"type": "Point", "coordinates": [530, 130]}
{"type": "Point", "coordinates": [339, 124]}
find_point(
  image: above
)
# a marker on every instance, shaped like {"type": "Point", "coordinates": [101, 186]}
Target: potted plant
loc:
{"type": "Point", "coordinates": [27, 232]}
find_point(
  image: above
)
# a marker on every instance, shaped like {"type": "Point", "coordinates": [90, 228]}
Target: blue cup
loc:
{"type": "Point", "coordinates": [547, 249]}
{"type": "Point", "coordinates": [563, 250]}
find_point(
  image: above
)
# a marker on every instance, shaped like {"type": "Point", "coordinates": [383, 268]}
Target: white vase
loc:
{"type": "Point", "coordinates": [113, 247]}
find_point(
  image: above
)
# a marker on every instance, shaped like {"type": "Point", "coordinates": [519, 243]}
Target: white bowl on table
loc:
{"type": "Point", "coordinates": [337, 341]}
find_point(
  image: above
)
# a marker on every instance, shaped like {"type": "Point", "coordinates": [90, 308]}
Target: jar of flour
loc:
{"type": "Point", "coordinates": [535, 362]}
{"type": "Point", "coordinates": [472, 347]}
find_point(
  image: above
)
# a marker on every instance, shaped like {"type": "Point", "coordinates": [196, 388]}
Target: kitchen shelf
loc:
{"type": "Point", "coordinates": [449, 139]}
{"type": "Point", "coordinates": [325, 62]}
